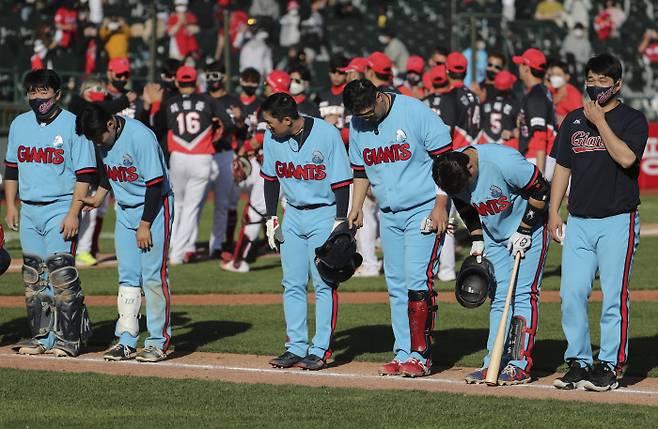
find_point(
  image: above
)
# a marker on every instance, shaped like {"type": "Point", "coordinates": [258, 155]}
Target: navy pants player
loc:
{"type": "Point", "coordinates": [599, 148]}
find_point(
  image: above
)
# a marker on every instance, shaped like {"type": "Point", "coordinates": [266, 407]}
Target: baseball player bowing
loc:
{"type": "Point", "coordinates": [135, 171]}
{"type": "Point", "coordinates": [392, 140]}
{"type": "Point", "coordinates": [502, 199]}
{"type": "Point", "coordinates": [305, 157]}
{"type": "Point", "coordinates": [599, 148]}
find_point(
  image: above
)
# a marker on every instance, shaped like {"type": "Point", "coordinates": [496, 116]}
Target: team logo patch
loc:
{"type": "Point", "coordinates": [127, 160]}
{"type": "Point", "coordinates": [496, 192]}
{"type": "Point", "coordinates": [400, 136]}
{"type": "Point", "coordinates": [58, 141]}
{"type": "Point", "coordinates": [317, 157]}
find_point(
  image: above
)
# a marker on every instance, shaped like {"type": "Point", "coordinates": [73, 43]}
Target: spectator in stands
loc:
{"type": "Point", "coordinates": [118, 76]}
{"type": "Point", "coordinates": [648, 48]}
{"type": "Point", "coordinates": [115, 33]}
{"type": "Point", "coordinates": [577, 11]}
{"type": "Point", "coordinates": [300, 81]}
{"type": "Point", "coordinates": [550, 10]}
{"type": "Point", "coordinates": [608, 21]}
{"type": "Point", "coordinates": [290, 32]}
{"type": "Point", "coordinates": [485, 88]}
{"type": "Point", "coordinates": [268, 8]}
{"type": "Point", "coordinates": [394, 49]}
{"type": "Point", "coordinates": [256, 53]}
{"type": "Point", "coordinates": [438, 57]}
{"type": "Point", "coordinates": [413, 85]}
{"type": "Point", "coordinates": [617, 15]}
{"type": "Point", "coordinates": [204, 11]}
{"type": "Point", "coordinates": [480, 62]}
{"type": "Point", "coordinates": [182, 29]}
{"type": "Point", "coordinates": [312, 30]}
{"type": "Point", "coordinates": [577, 45]}
{"type": "Point", "coordinates": [566, 97]}
{"type": "Point", "coordinates": [380, 71]}
{"type": "Point", "coordinates": [66, 22]}
{"type": "Point", "coordinates": [356, 69]}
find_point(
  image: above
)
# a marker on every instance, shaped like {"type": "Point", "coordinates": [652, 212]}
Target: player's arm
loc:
{"type": "Point", "coordinates": [360, 181]}
{"type": "Point", "coordinates": [11, 180]}
{"type": "Point", "coordinates": [538, 129]}
{"type": "Point", "coordinates": [471, 219]}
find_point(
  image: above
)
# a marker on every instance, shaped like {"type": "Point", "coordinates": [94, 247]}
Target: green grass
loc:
{"type": "Point", "coordinates": [363, 332]}
{"type": "Point", "coordinates": [103, 401]}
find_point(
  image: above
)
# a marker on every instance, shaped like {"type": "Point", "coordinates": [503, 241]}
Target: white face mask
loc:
{"type": "Point", "coordinates": [383, 40]}
{"type": "Point", "coordinates": [296, 88]}
{"type": "Point", "coordinates": [557, 81]}
{"type": "Point", "coordinates": [578, 33]}
{"type": "Point", "coordinates": [181, 8]}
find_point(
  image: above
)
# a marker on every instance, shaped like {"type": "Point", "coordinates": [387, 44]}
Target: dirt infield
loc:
{"type": "Point", "coordinates": [255, 370]}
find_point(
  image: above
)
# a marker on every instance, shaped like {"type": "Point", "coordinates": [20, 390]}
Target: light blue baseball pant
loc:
{"type": "Point", "coordinates": [607, 244]}
{"type": "Point", "coordinates": [303, 232]}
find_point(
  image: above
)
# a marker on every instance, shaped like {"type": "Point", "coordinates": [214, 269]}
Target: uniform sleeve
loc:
{"type": "Point", "coordinates": [563, 144]}
{"type": "Point", "coordinates": [83, 156]}
{"type": "Point", "coordinates": [338, 166]}
{"type": "Point", "coordinates": [11, 159]}
{"type": "Point", "coordinates": [267, 170]}
{"type": "Point", "coordinates": [636, 134]}
{"type": "Point", "coordinates": [149, 163]}
{"type": "Point", "coordinates": [434, 134]}
{"type": "Point", "coordinates": [517, 171]}
{"type": "Point", "coordinates": [356, 157]}
{"type": "Point", "coordinates": [536, 114]}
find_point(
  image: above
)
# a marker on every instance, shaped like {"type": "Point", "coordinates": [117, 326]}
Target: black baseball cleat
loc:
{"type": "Point", "coordinates": [286, 360]}
{"type": "Point", "coordinates": [602, 378]}
{"type": "Point", "coordinates": [312, 363]}
{"type": "Point", "coordinates": [120, 352]}
{"type": "Point", "coordinates": [575, 378]}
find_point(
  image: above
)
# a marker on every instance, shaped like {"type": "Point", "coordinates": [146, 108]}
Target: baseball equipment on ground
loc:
{"type": "Point", "coordinates": [477, 250]}
{"type": "Point", "coordinates": [274, 232]}
{"type": "Point", "coordinates": [475, 282]}
{"type": "Point", "coordinates": [421, 321]}
{"type": "Point", "coordinates": [519, 242]}
{"type": "Point", "coordinates": [501, 335]}
{"type": "Point", "coordinates": [39, 302]}
{"type": "Point", "coordinates": [129, 300]}
{"type": "Point", "coordinates": [241, 168]}
{"type": "Point", "coordinates": [337, 259]}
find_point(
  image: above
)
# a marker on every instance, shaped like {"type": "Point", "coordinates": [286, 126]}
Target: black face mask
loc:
{"type": "Point", "coordinates": [215, 85]}
{"type": "Point", "coordinates": [602, 95]}
{"type": "Point", "coordinates": [413, 79]}
{"type": "Point", "coordinates": [120, 85]}
{"type": "Point", "coordinates": [491, 74]}
{"type": "Point", "coordinates": [168, 85]}
{"type": "Point", "coordinates": [249, 90]}
{"type": "Point", "coordinates": [43, 107]}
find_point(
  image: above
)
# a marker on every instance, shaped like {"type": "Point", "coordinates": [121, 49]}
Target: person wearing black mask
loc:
{"type": "Point", "coordinates": [168, 77]}
{"type": "Point", "coordinates": [486, 88]}
{"type": "Point", "coordinates": [118, 76]}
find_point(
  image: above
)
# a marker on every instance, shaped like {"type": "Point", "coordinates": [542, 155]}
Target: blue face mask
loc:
{"type": "Point", "coordinates": [601, 94]}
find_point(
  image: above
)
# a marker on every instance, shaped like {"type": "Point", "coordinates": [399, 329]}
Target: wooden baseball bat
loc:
{"type": "Point", "coordinates": [501, 335]}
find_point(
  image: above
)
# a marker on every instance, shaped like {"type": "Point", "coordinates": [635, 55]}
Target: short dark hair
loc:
{"type": "Point", "coordinates": [457, 75]}
{"type": "Point", "coordinates": [386, 77]}
{"type": "Point", "coordinates": [280, 106]}
{"type": "Point", "coordinates": [537, 73]}
{"type": "Point", "coordinates": [500, 56]}
{"type": "Point", "coordinates": [450, 172]}
{"type": "Point", "coordinates": [559, 64]}
{"type": "Point", "coordinates": [441, 50]}
{"type": "Point", "coordinates": [250, 74]}
{"type": "Point", "coordinates": [170, 66]}
{"type": "Point", "coordinates": [216, 66]}
{"type": "Point", "coordinates": [359, 95]}
{"type": "Point", "coordinates": [605, 64]}
{"type": "Point", "coordinates": [338, 61]}
{"type": "Point", "coordinates": [303, 71]}
{"type": "Point", "coordinates": [42, 79]}
{"type": "Point", "coordinates": [92, 122]}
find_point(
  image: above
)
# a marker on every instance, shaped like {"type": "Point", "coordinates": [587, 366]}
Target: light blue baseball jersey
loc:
{"type": "Point", "coordinates": [308, 175]}
{"type": "Point", "coordinates": [503, 175]}
{"type": "Point", "coordinates": [48, 157]}
{"type": "Point", "coordinates": [396, 152]}
{"type": "Point", "coordinates": [133, 162]}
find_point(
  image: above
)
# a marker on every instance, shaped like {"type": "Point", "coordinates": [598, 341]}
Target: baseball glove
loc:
{"type": "Point", "coordinates": [241, 169]}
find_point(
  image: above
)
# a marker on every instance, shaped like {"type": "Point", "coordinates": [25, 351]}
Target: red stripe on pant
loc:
{"type": "Point", "coordinates": [534, 299]}
{"type": "Point", "coordinates": [74, 245]}
{"type": "Point", "coordinates": [334, 320]}
{"type": "Point", "coordinates": [163, 272]}
{"type": "Point", "coordinates": [623, 304]}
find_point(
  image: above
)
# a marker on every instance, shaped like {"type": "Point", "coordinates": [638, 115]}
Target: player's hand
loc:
{"type": "Point", "coordinates": [91, 202]}
{"type": "Point", "coordinates": [143, 236]}
{"type": "Point", "coordinates": [132, 96]}
{"type": "Point", "coordinates": [355, 218]}
{"type": "Point", "coordinates": [556, 227]}
{"type": "Point", "coordinates": [477, 250]}
{"type": "Point", "coordinates": [520, 242]}
{"type": "Point", "coordinates": [593, 112]}
{"type": "Point", "coordinates": [439, 218]}
{"type": "Point", "coordinates": [274, 232]}
{"type": "Point", "coordinates": [12, 218]}
{"type": "Point", "coordinates": [69, 226]}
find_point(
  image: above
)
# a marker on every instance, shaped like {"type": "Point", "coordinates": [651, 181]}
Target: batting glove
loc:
{"type": "Point", "coordinates": [477, 249]}
{"type": "Point", "coordinates": [274, 233]}
{"type": "Point", "coordinates": [520, 241]}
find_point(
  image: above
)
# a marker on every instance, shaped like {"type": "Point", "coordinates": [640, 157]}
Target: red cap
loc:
{"type": "Point", "coordinates": [456, 62]}
{"type": "Point", "coordinates": [279, 81]}
{"type": "Point", "coordinates": [533, 58]}
{"type": "Point", "coordinates": [438, 74]}
{"type": "Point", "coordinates": [357, 64]}
{"type": "Point", "coordinates": [415, 64]}
{"type": "Point", "coordinates": [186, 74]}
{"type": "Point", "coordinates": [504, 80]}
{"type": "Point", "coordinates": [293, 4]}
{"type": "Point", "coordinates": [119, 65]}
{"type": "Point", "coordinates": [380, 63]}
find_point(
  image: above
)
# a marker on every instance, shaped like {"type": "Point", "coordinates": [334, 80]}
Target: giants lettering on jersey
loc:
{"type": "Point", "coordinates": [42, 155]}
{"type": "Point", "coordinates": [393, 153]}
{"type": "Point", "coordinates": [493, 206]}
{"type": "Point", "coordinates": [121, 174]}
{"type": "Point", "coordinates": [581, 141]}
{"type": "Point", "coordinates": [287, 170]}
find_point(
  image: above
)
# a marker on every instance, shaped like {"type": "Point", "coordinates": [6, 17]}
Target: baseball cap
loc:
{"type": "Point", "coordinates": [186, 74]}
{"type": "Point", "coordinates": [533, 58]}
{"type": "Point", "coordinates": [504, 81]}
{"type": "Point", "coordinates": [279, 81]}
{"type": "Point", "coordinates": [456, 62]}
{"type": "Point", "coordinates": [357, 64]}
{"type": "Point", "coordinates": [438, 74]}
{"type": "Point", "coordinates": [380, 63]}
{"type": "Point", "coordinates": [119, 65]}
{"type": "Point", "coordinates": [415, 64]}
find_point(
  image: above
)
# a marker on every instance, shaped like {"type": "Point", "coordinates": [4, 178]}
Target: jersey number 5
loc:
{"type": "Point", "coordinates": [188, 123]}
{"type": "Point", "coordinates": [495, 119]}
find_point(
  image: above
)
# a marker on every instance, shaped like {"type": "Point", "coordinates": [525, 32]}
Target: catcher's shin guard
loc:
{"type": "Point", "coordinates": [72, 320]}
{"type": "Point", "coordinates": [421, 321]}
{"type": "Point", "coordinates": [40, 311]}
{"type": "Point", "coordinates": [516, 341]}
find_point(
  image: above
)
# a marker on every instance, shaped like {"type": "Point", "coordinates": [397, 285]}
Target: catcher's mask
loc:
{"type": "Point", "coordinates": [475, 282]}
{"type": "Point", "coordinates": [337, 258]}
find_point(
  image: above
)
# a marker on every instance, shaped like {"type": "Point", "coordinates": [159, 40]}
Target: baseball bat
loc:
{"type": "Point", "coordinates": [501, 335]}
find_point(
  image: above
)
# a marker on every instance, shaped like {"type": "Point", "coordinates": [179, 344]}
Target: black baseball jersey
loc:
{"type": "Point", "coordinates": [330, 103]}
{"type": "Point", "coordinates": [599, 186]}
{"type": "Point", "coordinates": [434, 102]}
{"type": "Point", "coordinates": [190, 123]}
{"type": "Point", "coordinates": [489, 90]}
{"type": "Point", "coordinates": [306, 107]}
{"type": "Point", "coordinates": [460, 110]}
{"type": "Point", "coordinates": [497, 114]}
{"type": "Point", "coordinates": [537, 114]}
{"type": "Point", "coordinates": [249, 107]}
{"type": "Point", "coordinates": [224, 108]}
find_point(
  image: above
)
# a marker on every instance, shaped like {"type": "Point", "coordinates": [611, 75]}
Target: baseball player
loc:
{"type": "Point", "coordinates": [306, 158]}
{"type": "Point", "coordinates": [330, 101]}
{"type": "Point", "coordinates": [460, 107]}
{"type": "Point", "coordinates": [392, 140]}
{"type": "Point", "coordinates": [599, 150]}
{"type": "Point", "coordinates": [501, 198]}
{"type": "Point", "coordinates": [51, 167]}
{"type": "Point", "coordinates": [300, 80]}
{"type": "Point", "coordinates": [379, 71]}
{"type": "Point", "coordinates": [413, 85]}
{"type": "Point", "coordinates": [485, 89]}
{"type": "Point", "coordinates": [136, 172]}
{"type": "Point", "coordinates": [498, 114]}
{"type": "Point", "coordinates": [438, 79]}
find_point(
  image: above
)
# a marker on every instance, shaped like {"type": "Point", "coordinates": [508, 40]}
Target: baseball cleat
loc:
{"type": "Point", "coordinates": [312, 363]}
{"type": "Point", "coordinates": [512, 375]}
{"type": "Point", "coordinates": [28, 346]}
{"type": "Point", "coordinates": [151, 354]}
{"type": "Point", "coordinates": [85, 259]}
{"type": "Point", "coordinates": [241, 267]}
{"type": "Point", "coordinates": [601, 378]}
{"type": "Point", "coordinates": [414, 368]}
{"type": "Point", "coordinates": [476, 377]}
{"type": "Point", "coordinates": [189, 257]}
{"type": "Point", "coordinates": [60, 352]}
{"type": "Point", "coordinates": [120, 352]}
{"type": "Point", "coordinates": [391, 368]}
{"type": "Point", "coordinates": [286, 360]}
{"type": "Point", "coordinates": [575, 378]}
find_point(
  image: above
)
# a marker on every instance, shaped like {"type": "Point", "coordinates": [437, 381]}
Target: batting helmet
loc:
{"type": "Point", "coordinates": [279, 81]}
{"type": "Point", "coordinates": [475, 282]}
{"type": "Point", "coordinates": [5, 260]}
{"type": "Point", "coordinates": [337, 258]}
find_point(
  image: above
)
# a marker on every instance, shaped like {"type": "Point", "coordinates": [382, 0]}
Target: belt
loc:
{"type": "Point", "coordinates": [37, 203]}
{"type": "Point", "coordinates": [389, 210]}
{"type": "Point", "coordinates": [311, 206]}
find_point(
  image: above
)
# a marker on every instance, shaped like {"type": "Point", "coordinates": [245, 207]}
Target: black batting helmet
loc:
{"type": "Point", "coordinates": [475, 282]}
{"type": "Point", "coordinates": [337, 258]}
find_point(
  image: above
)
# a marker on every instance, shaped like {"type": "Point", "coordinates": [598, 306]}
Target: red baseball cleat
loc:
{"type": "Point", "coordinates": [391, 368]}
{"type": "Point", "coordinates": [414, 368]}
